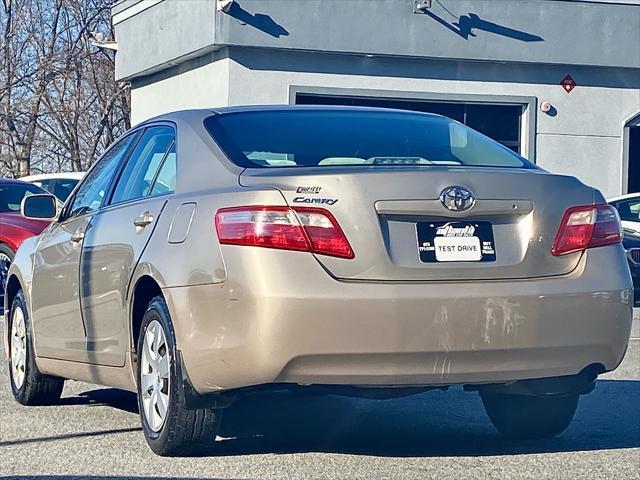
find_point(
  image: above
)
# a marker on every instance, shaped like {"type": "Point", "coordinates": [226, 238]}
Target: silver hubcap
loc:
{"type": "Point", "coordinates": [154, 376]}
{"type": "Point", "coordinates": [18, 347]}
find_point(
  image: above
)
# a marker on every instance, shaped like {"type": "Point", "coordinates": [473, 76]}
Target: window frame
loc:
{"type": "Point", "coordinates": [137, 132]}
{"type": "Point", "coordinates": [66, 210]}
{"type": "Point", "coordinates": [123, 166]}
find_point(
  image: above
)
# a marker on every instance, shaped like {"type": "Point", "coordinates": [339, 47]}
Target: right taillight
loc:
{"type": "Point", "coordinates": [586, 227]}
{"type": "Point", "coordinates": [303, 229]}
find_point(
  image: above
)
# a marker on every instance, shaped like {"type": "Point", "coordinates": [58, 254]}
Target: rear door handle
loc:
{"type": "Point", "coordinates": [143, 220]}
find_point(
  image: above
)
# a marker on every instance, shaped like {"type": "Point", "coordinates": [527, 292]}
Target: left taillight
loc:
{"type": "Point", "coordinates": [302, 229]}
{"type": "Point", "coordinates": [587, 227]}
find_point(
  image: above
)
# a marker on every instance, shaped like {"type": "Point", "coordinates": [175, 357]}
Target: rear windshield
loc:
{"type": "Point", "coordinates": [325, 138]}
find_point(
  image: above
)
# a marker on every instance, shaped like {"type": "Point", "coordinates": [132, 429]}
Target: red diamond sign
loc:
{"type": "Point", "coordinates": [568, 83]}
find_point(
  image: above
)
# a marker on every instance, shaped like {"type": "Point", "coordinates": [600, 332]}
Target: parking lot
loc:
{"type": "Point", "coordinates": [95, 432]}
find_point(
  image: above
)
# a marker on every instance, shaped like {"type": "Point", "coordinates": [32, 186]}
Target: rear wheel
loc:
{"type": "Point", "coordinates": [520, 416]}
{"type": "Point", "coordinates": [28, 385]}
{"type": "Point", "coordinates": [170, 429]}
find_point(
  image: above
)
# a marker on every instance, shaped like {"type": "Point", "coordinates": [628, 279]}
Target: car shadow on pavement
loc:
{"type": "Point", "coordinates": [435, 423]}
{"type": "Point", "coordinates": [111, 397]}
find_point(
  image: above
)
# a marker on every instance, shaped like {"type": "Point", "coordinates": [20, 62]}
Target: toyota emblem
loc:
{"type": "Point", "coordinates": [457, 199]}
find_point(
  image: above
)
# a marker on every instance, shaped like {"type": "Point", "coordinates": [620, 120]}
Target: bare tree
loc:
{"type": "Point", "coordinates": [57, 91]}
{"type": "Point", "coordinates": [32, 27]}
{"type": "Point", "coordinates": [81, 104]}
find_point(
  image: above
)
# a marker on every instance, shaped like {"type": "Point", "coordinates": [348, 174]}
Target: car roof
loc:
{"type": "Point", "coordinates": [202, 113]}
{"type": "Point", "coordinates": [337, 108]}
{"type": "Point", "coordinates": [628, 196]}
{"type": "Point", "coordinates": [11, 181]}
{"type": "Point", "coordinates": [48, 176]}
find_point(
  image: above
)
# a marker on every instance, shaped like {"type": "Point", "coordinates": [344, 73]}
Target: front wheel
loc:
{"type": "Point", "coordinates": [521, 416]}
{"type": "Point", "coordinates": [28, 385]}
{"type": "Point", "coordinates": [169, 428]}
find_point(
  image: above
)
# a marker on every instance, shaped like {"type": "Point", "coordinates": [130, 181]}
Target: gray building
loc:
{"type": "Point", "coordinates": [556, 80]}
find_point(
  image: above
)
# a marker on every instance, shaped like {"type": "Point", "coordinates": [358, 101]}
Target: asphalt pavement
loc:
{"type": "Point", "coordinates": [95, 433]}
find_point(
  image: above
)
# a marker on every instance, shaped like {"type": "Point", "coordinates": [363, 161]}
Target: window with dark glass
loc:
{"type": "Point", "coordinates": [95, 184]}
{"type": "Point", "coordinates": [499, 122]}
{"type": "Point", "coordinates": [63, 187]}
{"type": "Point", "coordinates": [12, 194]}
{"type": "Point", "coordinates": [367, 138]}
{"type": "Point", "coordinates": [137, 177]}
{"type": "Point", "coordinates": [165, 181]}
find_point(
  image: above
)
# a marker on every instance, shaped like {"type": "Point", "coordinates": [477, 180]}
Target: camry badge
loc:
{"type": "Point", "coordinates": [457, 199]}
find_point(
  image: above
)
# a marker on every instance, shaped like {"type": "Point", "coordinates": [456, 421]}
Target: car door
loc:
{"type": "Point", "coordinates": [55, 293]}
{"type": "Point", "coordinates": [114, 243]}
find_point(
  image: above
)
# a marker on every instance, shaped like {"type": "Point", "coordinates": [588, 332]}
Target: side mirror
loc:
{"type": "Point", "coordinates": [41, 205]}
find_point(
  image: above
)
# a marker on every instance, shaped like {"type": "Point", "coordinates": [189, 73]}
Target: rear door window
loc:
{"type": "Point", "coordinates": [138, 175]}
{"type": "Point", "coordinates": [165, 181]}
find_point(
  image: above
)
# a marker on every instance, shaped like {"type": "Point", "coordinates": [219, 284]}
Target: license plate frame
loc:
{"type": "Point", "coordinates": [454, 242]}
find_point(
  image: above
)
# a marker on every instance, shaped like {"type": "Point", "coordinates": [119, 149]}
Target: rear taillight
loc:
{"type": "Point", "coordinates": [304, 229]}
{"type": "Point", "coordinates": [586, 227]}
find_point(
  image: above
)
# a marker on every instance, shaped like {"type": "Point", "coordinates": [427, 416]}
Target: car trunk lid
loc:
{"type": "Point", "coordinates": [391, 216]}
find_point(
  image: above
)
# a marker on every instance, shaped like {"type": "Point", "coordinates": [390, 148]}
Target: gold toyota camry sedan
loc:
{"type": "Point", "coordinates": [362, 252]}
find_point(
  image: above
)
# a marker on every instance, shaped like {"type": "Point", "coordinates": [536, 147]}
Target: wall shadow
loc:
{"type": "Point", "coordinates": [467, 23]}
{"type": "Point", "coordinates": [262, 22]}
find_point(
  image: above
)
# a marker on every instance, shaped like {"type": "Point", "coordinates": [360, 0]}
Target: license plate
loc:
{"type": "Point", "coordinates": [456, 242]}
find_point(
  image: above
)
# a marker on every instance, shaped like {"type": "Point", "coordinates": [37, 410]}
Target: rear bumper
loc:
{"type": "Point", "coordinates": [280, 318]}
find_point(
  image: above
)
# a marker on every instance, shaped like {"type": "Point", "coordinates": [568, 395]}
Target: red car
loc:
{"type": "Point", "coordinates": [14, 228]}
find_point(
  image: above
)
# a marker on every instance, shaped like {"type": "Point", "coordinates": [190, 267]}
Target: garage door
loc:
{"type": "Point", "coordinates": [500, 122]}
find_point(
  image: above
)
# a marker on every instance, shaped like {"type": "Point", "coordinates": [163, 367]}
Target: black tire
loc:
{"type": "Point", "coordinates": [184, 431]}
{"type": "Point", "coordinates": [529, 417]}
{"type": "Point", "coordinates": [4, 248]}
{"type": "Point", "coordinates": [5, 262]}
{"type": "Point", "coordinates": [36, 388]}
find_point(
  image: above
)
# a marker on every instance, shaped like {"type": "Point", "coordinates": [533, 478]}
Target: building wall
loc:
{"type": "Point", "coordinates": [156, 34]}
{"type": "Point", "coordinates": [186, 53]}
{"type": "Point", "coordinates": [583, 32]}
{"type": "Point", "coordinates": [205, 83]}
{"type": "Point", "coordinates": [151, 33]}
